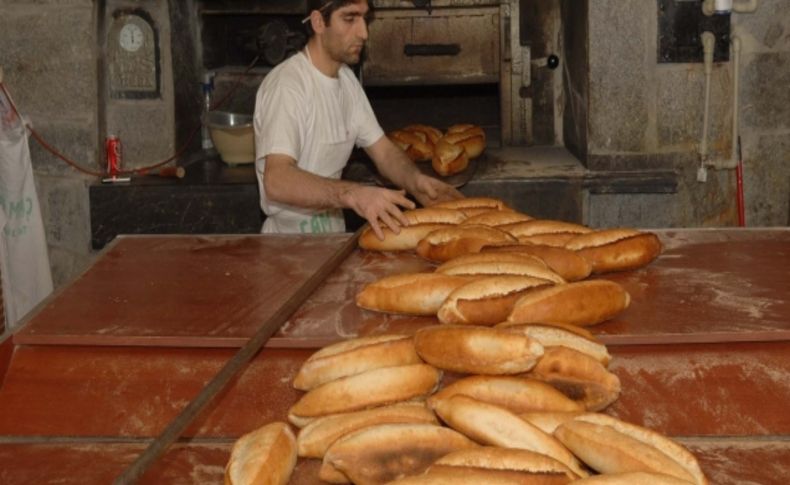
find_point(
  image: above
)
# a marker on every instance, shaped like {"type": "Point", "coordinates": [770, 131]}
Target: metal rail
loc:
{"type": "Point", "coordinates": [173, 431]}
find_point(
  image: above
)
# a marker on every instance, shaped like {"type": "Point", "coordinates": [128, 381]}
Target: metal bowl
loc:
{"type": "Point", "coordinates": [224, 119]}
{"type": "Point", "coordinates": [232, 135]}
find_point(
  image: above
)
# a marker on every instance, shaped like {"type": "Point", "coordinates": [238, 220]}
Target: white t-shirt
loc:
{"type": "Point", "coordinates": [316, 120]}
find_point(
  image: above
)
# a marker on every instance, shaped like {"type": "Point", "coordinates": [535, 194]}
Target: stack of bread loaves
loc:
{"type": "Point", "coordinates": [448, 152]}
{"type": "Point", "coordinates": [371, 413]}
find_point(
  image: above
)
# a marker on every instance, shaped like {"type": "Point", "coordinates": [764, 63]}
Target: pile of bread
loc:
{"type": "Point", "coordinates": [506, 388]}
{"type": "Point", "coordinates": [448, 152]}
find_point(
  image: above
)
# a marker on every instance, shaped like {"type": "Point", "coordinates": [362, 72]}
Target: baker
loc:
{"type": "Point", "coordinates": [310, 111]}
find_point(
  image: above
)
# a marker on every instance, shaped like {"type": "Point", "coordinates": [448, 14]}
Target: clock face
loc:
{"type": "Point", "coordinates": [131, 37]}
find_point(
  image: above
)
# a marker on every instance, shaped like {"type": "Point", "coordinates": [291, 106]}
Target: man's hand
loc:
{"type": "Point", "coordinates": [378, 205]}
{"type": "Point", "coordinates": [428, 190]}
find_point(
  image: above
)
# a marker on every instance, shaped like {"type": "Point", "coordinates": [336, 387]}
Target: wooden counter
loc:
{"type": "Point", "coordinates": [703, 352]}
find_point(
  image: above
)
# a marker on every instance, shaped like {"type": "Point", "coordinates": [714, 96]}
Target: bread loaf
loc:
{"type": "Point", "coordinates": [578, 376]}
{"type": "Point", "coordinates": [449, 158]}
{"type": "Point", "coordinates": [410, 293]}
{"type": "Point", "coordinates": [492, 425]}
{"type": "Point", "coordinates": [580, 303]}
{"type": "Point", "coordinates": [415, 144]}
{"type": "Point", "coordinates": [432, 134]}
{"type": "Point", "coordinates": [476, 350]}
{"type": "Point", "coordinates": [421, 223]}
{"type": "Point", "coordinates": [564, 262]}
{"type": "Point", "coordinates": [610, 445]}
{"type": "Point", "coordinates": [545, 232]}
{"type": "Point", "coordinates": [473, 205]}
{"type": "Point", "coordinates": [517, 394]}
{"type": "Point", "coordinates": [508, 459]}
{"type": "Point", "coordinates": [486, 301]}
{"type": "Point", "coordinates": [448, 243]}
{"type": "Point", "coordinates": [548, 421]}
{"type": "Point", "coordinates": [369, 389]}
{"type": "Point", "coordinates": [462, 475]}
{"type": "Point", "coordinates": [497, 218]}
{"type": "Point", "coordinates": [315, 438]}
{"type": "Point", "coordinates": [379, 454]}
{"type": "Point", "coordinates": [616, 249]}
{"type": "Point", "coordinates": [564, 335]}
{"type": "Point", "coordinates": [264, 456]}
{"type": "Point", "coordinates": [472, 138]}
{"type": "Point", "coordinates": [494, 268]}
{"type": "Point", "coordinates": [492, 257]}
{"type": "Point", "coordinates": [632, 478]}
{"type": "Point", "coordinates": [355, 356]}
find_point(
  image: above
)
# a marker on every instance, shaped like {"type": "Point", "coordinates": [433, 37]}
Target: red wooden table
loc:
{"type": "Point", "coordinates": [104, 365]}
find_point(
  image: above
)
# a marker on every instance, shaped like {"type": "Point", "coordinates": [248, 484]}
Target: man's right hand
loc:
{"type": "Point", "coordinates": [379, 206]}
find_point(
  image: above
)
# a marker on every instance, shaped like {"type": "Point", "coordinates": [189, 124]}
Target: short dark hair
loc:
{"type": "Point", "coordinates": [327, 8]}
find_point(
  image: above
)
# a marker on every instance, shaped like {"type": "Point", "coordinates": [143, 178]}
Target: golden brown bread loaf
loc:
{"type": "Point", "coordinates": [476, 350]}
{"type": "Point", "coordinates": [416, 144]}
{"type": "Point", "coordinates": [449, 158]}
{"type": "Point", "coordinates": [315, 438]}
{"type": "Point", "coordinates": [517, 394]}
{"type": "Point", "coordinates": [578, 376]}
{"type": "Point", "coordinates": [564, 262]}
{"type": "Point", "coordinates": [564, 335]}
{"type": "Point", "coordinates": [379, 454]}
{"type": "Point", "coordinates": [421, 222]}
{"type": "Point", "coordinates": [580, 303]}
{"type": "Point", "coordinates": [493, 425]}
{"type": "Point", "coordinates": [494, 268]}
{"type": "Point", "coordinates": [369, 389]}
{"type": "Point", "coordinates": [545, 231]}
{"type": "Point", "coordinates": [492, 257]}
{"type": "Point", "coordinates": [610, 445]}
{"type": "Point", "coordinates": [486, 301]}
{"type": "Point", "coordinates": [410, 293]}
{"type": "Point", "coordinates": [633, 478]}
{"type": "Point", "coordinates": [472, 138]}
{"type": "Point", "coordinates": [616, 249]}
{"type": "Point", "coordinates": [497, 218]}
{"type": "Point", "coordinates": [264, 456]}
{"type": "Point", "coordinates": [548, 421]}
{"type": "Point", "coordinates": [507, 459]}
{"type": "Point", "coordinates": [448, 243]}
{"type": "Point", "coordinates": [433, 134]}
{"type": "Point", "coordinates": [473, 205]}
{"type": "Point", "coordinates": [355, 356]}
{"type": "Point", "coordinates": [462, 475]}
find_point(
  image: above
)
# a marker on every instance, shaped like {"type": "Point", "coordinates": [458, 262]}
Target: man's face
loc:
{"type": "Point", "coordinates": [345, 35]}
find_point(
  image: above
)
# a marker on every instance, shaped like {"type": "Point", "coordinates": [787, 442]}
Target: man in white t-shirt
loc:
{"type": "Point", "coordinates": [310, 111]}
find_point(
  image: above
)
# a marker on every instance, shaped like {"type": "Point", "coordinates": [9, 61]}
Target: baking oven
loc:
{"type": "Point", "coordinates": [437, 62]}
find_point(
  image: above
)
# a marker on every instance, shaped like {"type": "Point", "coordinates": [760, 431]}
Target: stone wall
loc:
{"type": "Point", "coordinates": [648, 115]}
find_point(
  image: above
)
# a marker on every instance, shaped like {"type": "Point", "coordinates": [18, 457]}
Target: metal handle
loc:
{"type": "Point", "coordinates": [412, 50]}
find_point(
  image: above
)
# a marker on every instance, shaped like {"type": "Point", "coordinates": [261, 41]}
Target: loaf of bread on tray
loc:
{"type": "Point", "coordinates": [545, 231]}
{"type": "Point", "coordinates": [377, 387]}
{"type": "Point", "coordinates": [496, 426]}
{"type": "Point", "coordinates": [565, 335]}
{"type": "Point", "coordinates": [451, 242]}
{"type": "Point", "coordinates": [476, 350]}
{"type": "Point", "coordinates": [379, 454]}
{"type": "Point", "coordinates": [421, 223]}
{"type": "Point", "coordinates": [536, 467]}
{"type": "Point", "coordinates": [580, 303]}
{"type": "Point", "coordinates": [350, 357]}
{"type": "Point", "coordinates": [564, 262]}
{"type": "Point", "coordinates": [497, 218]}
{"type": "Point", "coordinates": [610, 445]}
{"type": "Point", "coordinates": [410, 293]}
{"type": "Point", "coordinates": [449, 158]}
{"type": "Point", "coordinates": [632, 478]}
{"type": "Point", "coordinates": [266, 455]}
{"type": "Point", "coordinates": [616, 249]}
{"type": "Point", "coordinates": [473, 205]}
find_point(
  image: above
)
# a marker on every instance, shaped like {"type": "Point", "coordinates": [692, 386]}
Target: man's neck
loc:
{"type": "Point", "coordinates": [320, 59]}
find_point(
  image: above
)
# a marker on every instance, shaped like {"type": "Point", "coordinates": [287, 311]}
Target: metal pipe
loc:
{"type": "Point", "coordinates": [732, 162]}
{"type": "Point", "coordinates": [708, 44]}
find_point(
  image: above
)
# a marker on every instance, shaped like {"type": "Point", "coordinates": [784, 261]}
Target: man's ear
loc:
{"type": "Point", "coordinates": [317, 22]}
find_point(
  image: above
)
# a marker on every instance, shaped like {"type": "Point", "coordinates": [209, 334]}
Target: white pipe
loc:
{"type": "Point", "coordinates": [710, 7]}
{"type": "Point", "coordinates": [736, 67]}
{"type": "Point", "coordinates": [708, 44]}
{"type": "Point", "coordinates": [1, 74]}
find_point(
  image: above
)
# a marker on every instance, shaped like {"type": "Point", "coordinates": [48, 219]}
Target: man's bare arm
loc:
{"type": "Point", "coordinates": [394, 164]}
{"type": "Point", "coordinates": [286, 183]}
